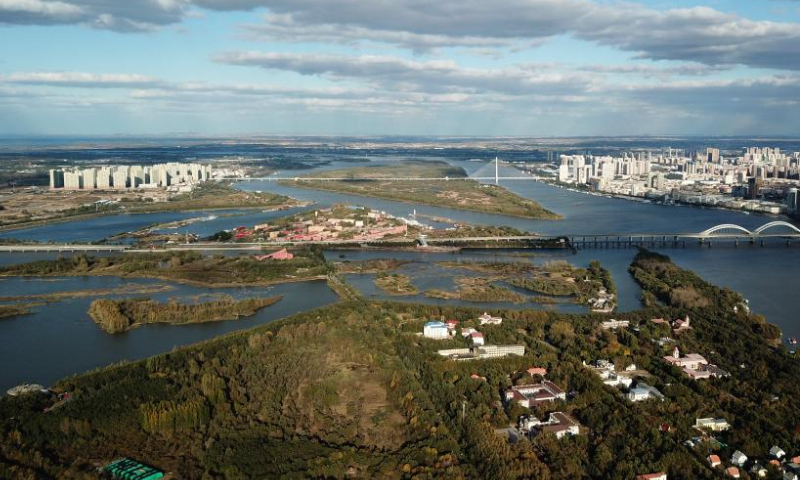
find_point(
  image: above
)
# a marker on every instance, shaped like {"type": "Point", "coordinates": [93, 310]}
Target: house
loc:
{"type": "Point", "coordinates": [713, 424]}
{"type": "Point", "coordinates": [759, 471]}
{"type": "Point", "coordinates": [436, 330]}
{"type": "Point", "coordinates": [732, 472]}
{"type": "Point", "coordinates": [714, 461]}
{"type": "Point", "coordinates": [738, 458]}
{"type": "Point", "coordinates": [451, 324]}
{"type": "Point", "coordinates": [476, 338]}
{"type": "Point", "coordinates": [559, 424]}
{"type": "Point", "coordinates": [537, 371]}
{"type": "Point", "coordinates": [487, 319]}
{"type": "Point", "coordinates": [466, 332]}
{"type": "Point", "coordinates": [652, 476]}
{"type": "Point", "coordinates": [777, 452]}
{"type": "Point", "coordinates": [680, 325]}
{"type": "Point", "coordinates": [531, 395]}
{"type": "Point", "coordinates": [642, 392]}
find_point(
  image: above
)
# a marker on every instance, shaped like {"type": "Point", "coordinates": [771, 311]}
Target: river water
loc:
{"type": "Point", "coordinates": [59, 339]}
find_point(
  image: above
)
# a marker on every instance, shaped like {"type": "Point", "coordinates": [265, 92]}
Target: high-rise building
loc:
{"type": "Point", "coordinates": [104, 178]}
{"type": "Point", "coordinates": [73, 180]}
{"type": "Point", "coordinates": [56, 178]}
{"type": "Point", "coordinates": [120, 178]}
{"type": "Point", "coordinates": [792, 200]}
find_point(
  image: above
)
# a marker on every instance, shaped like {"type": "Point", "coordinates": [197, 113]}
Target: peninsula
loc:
{"type": "Point", "coordinates": [401, 182]}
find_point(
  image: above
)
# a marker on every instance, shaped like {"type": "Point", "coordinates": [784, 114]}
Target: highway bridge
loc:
{"type": "Point", "coordinates": [720, 233]}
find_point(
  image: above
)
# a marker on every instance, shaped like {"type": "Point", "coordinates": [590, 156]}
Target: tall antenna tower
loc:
{"type": "Point", "coordinates": [496, 170]}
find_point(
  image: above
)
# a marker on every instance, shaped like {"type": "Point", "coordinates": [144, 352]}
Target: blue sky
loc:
{"type": "Point", "coordinates": [382, 67]}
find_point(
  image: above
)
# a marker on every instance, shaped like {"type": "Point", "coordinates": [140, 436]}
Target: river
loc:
{"type": "Point", "coordinates": [59, 339]}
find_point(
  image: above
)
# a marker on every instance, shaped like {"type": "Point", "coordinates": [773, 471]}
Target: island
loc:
{"type": "Point", "coordinates": [395, 284]}
{"type": "Point", "coordinates": [191, 267]}
{"type": "Point", "coordinates": [389, 182]}
{"type": "Point", "coordinates": [116, 316]}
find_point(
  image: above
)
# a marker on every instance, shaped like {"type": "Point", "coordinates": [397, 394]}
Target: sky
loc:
{"type": "Point", "coordinates": [400, 67]}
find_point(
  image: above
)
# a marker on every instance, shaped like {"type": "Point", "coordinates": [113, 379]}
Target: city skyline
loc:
{"type": "Point", "coordinates": [532, 68]}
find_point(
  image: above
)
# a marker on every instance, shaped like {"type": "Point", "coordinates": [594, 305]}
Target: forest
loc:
{"type": "Point", "coordinates": [353, 391]}
{"type": "Point", "coordinates": [117, 316]}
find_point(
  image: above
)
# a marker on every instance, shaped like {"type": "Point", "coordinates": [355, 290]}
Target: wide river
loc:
{"type": "Point", "coordinates": [60, 339]}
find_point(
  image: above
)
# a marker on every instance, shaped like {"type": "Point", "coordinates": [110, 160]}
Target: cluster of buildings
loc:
{"type": "Point", "coordinates": [608, 373]}
{"type": "Point", "coordinates": [788, 468]}
{"type": "Point", "coordinates": [129, 176]}
{"type": "Point", "coordinates": [760, 179]}
{"type": "Point", "coordinates": [478, 349]}
{"type": "Point", "coordinates": [353, 224]}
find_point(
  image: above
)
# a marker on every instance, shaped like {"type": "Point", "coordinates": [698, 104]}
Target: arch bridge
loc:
{"type": "Point", "coordinates": [777, 228]}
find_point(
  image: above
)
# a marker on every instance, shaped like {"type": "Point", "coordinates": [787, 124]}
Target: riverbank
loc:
{"type": "Point", "coordinates": [678, 203]}
{"type": "Point", "coordinates": [205, 197]}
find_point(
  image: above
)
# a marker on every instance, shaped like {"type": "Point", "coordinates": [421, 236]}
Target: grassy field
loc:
{"type": "Point", "coordinates": [457, 194]}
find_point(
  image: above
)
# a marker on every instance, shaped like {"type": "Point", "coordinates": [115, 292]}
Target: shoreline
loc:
{"type": "Point", "coordinates": [89, 216]}
{"type": "Point", "coordinates": [632, 198]}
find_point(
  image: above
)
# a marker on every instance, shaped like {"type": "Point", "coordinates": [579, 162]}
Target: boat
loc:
{"type": "Point", "coordinates": [24, 389]}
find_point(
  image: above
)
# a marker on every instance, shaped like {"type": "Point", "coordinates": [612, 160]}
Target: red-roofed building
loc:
{"type": "Point", "coordinates": [714, 460]}
{"type": "Point", "coordinates": [732, 472]}
{"type": "Point", "coordinates": [537, 371]}
{"type": "Point", "coordinates": [652, 476]}
{"type": "Point", "coordinates": [476, 338]}
{"type": "Point", "coordinates": [531, 395]}
{"type": "Point", "coordinates": [281, 254]}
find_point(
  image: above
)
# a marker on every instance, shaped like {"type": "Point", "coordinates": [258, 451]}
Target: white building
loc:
{"type": "Point", "coordinates": [559, 424]}
{"type": "Point", "coordinates": [437, 330]}
{"type": "Point", "coordinates": [477, 338]}
{"type": "Point", "coordinates": [487, 319]}
{"type": "Point", "coordinates": [738, 458]}
{"type": "Point", "coordinates": [642, 392]}
{"type": "Point", "coordinates": [713, 424]}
